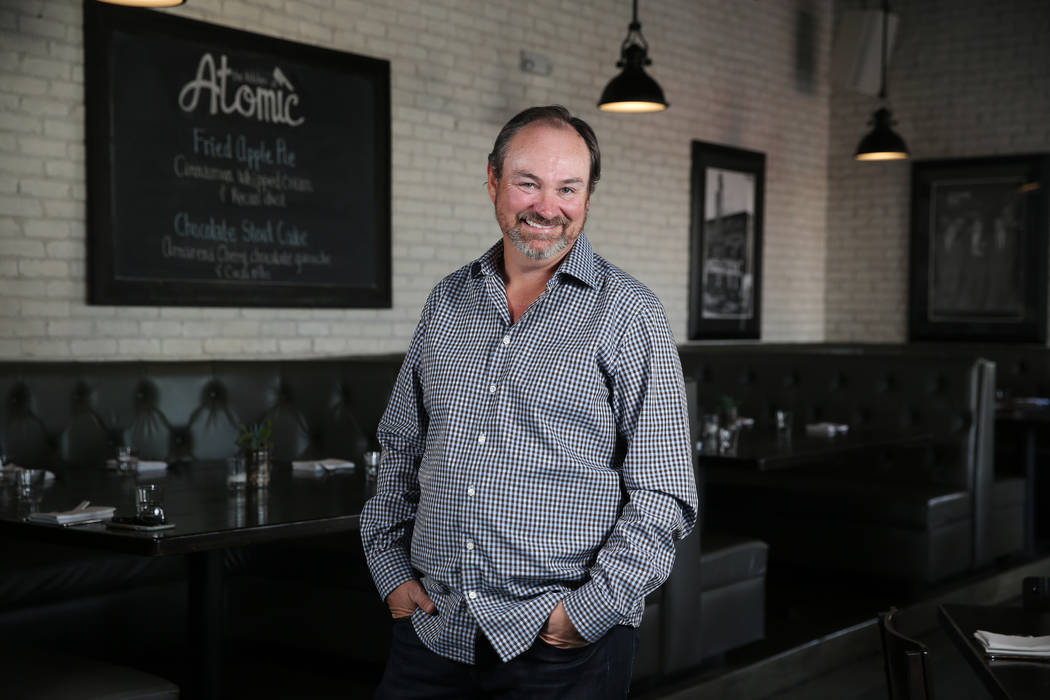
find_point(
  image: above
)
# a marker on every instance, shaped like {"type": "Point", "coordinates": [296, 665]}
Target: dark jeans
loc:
{"type": "Point", "coordinates": [598, 671]}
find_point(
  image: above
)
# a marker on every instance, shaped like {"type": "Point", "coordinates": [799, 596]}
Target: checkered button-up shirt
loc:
{"type": "Point", "coordinates": [530, 463]}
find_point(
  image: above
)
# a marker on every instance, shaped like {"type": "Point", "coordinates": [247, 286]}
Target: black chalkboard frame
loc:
{"type": "Point", "coordinates": [978, 249]}
{"type": "Point", "coordinates": [105, 235]}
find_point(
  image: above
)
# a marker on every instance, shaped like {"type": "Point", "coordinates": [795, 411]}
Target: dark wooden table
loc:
{"type": "Point", "coordinates": [1030, 415]}
{"type": "Point", "coordinates": [767, 450]}
{"type": "Point", "coordinates": [208, 519]}
{"type": "Point", "coordinates": [1005, 679]}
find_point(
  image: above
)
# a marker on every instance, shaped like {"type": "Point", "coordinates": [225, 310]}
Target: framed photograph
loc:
{"type": "Point", "coordinates": [978, 259]}
{"type": "Point", "coordinates": [227, 168]}
{"type": "Point", "coordinates": [725, 277]}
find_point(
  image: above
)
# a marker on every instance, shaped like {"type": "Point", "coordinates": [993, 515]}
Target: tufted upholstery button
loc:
{"type": "Point", "coordinates": [215, 391]}
{"type": "Point", "coordinates": [19, 396]}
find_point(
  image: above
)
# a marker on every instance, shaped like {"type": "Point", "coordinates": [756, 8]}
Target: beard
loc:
{"type": "Point", "coordinates": [557, 239]}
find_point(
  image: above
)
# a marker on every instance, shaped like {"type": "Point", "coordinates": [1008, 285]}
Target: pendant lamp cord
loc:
{"type": "Point", "coordinates": [885, 25]}
{"type": "Point", "coordinates": [634, 31]}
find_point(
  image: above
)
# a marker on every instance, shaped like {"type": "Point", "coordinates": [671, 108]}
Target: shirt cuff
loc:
{"type": "Point", "coordinates": [390, 569]}
{"type": "Point", "coordinates": [589, 611]}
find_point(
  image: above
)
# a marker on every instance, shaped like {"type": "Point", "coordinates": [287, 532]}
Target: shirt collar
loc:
{"type": "Point", "coordinates": [579, 263]}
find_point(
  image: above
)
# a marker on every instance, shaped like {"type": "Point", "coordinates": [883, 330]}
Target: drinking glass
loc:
{"type": "Point", "coordinates": [149, 503]}
{"type": "Point", "coordinates": [30, 482]}
{"type": "Point", "coordinates": [236, 475]}
{"type": "Point", "coordinates": [727, 440]}
{"type": "Point", "coordinates": [709, 433]}
{"type": "Point", "coordinates": [126, 459]}
{"type": "Point", "coordinates": [372, 459]}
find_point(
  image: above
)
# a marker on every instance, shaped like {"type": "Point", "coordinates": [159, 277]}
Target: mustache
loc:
{"type": "Point", "coordinates": [537, 219]}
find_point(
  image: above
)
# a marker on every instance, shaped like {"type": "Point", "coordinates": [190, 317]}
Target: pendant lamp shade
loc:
{"type": "Point", "coordinates": [144, 3]}
{"type": "Point", "coordinates": [882, 142]}
{"type": "Point", "coordinates": [633, 90]}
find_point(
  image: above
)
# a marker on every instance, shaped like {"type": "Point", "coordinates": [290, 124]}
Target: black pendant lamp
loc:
{"type": "Point", "coordinates": [882, 142]}
{"type": "Point", "coordinates": [144, 3]}
{"type": "Point", "coordinates": [633, 90]}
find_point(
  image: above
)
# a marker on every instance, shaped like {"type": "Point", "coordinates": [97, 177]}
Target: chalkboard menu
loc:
{"type": "Point", "coordinates": [232, 169]}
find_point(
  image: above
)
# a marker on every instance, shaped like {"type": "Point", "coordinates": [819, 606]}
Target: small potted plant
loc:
{"type": "Point", "coordinates": [256, 445]}
{"type": "Point", "coordinates": [728, 411]}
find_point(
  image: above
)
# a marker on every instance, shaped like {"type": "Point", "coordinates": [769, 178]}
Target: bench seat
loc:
{"type": "Point", "coordinates": [733, 591]}
{"type": "Point", "coordinates": [30, 674]}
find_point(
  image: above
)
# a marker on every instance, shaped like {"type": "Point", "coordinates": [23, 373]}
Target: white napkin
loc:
{"type": "Point", "coordinates": [1013, 645]}
{"type": "Point", "coordinates": [826, 429]}
{"type": "Point", "coordinates": [76, 515]}
{"type": "Point", "coordinates": [321, 466]}
{"type": "Point", "coordinates": [142, 466]}
{"type": "Point", "coordinates": [146, 465]}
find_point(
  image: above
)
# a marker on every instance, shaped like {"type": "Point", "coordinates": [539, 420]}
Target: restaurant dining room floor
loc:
{"type": "Point", "coordinates": [822, 641]}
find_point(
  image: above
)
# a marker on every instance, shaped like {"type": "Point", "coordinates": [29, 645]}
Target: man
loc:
{"type": "Point", "coordinates": [536, 463]}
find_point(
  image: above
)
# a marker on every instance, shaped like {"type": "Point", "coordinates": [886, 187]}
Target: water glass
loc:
{"type": "Point", "coordinates": [727, 440]}
{"type": "Point", "coordinates": [236, 474]}
{"type": "Point", "coordinates": [709, 434]}
{"type": "Point", "coordinates": [126, 459]}
{"type": "Point", "coordinates": [372, 459]}
{"type": "Point", "coordinates": [30, 482]}
{"type": "Point", "coordinates": [149, 503]}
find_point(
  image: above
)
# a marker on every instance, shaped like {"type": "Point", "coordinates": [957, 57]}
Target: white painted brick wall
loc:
{"type": "Point", "coordinates": [726, 66]}
{"type": "Point", "coordinates": [967, 78]}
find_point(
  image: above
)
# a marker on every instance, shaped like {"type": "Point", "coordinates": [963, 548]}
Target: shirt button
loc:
{"type": "Point", "coordinates": [481, 438]}
{"type": "Point", "coordinates": [506, 340]}
{"type": "Point", "coordinates": [470, 545]}
{"type": "Point", "coordinates": [473, 595]}
{"type": "Point", "coordinates": [492, 388]}
{"type": "Point", "coordinates": [470, 491]}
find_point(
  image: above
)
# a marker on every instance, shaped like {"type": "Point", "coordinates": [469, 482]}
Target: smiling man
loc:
{"type": "Point", "coordinates": [536, 462]}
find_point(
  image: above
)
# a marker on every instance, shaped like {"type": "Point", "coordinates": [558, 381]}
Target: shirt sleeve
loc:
{"type": "Point", "coordinates": [648, 397]}
{"type": "Point", "coordinates": [388, 517]}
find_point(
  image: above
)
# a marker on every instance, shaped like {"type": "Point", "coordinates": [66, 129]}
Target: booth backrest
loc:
{"type": "Point", "coordinates": [1022, 369]}
{"type": "Point", "coordinates": [72, 415]}
{"type": "Point", "coordinates": [948, 397]}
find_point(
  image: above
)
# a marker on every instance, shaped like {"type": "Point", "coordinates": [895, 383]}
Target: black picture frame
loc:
{"type": "Point", "coordinates": [725, 276]}
{"type": "Point", "coordinates": [227, 168]}
{"type": "Point", "coordinates": [978, 249]}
